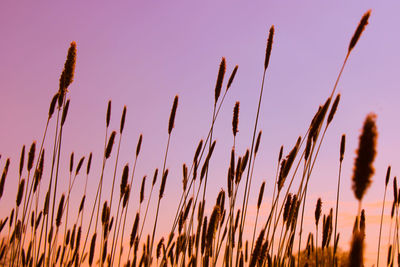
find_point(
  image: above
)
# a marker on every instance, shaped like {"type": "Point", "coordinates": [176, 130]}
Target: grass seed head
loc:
{"type": "Point", "coordinates": [172, 115]}
{"type": "Point", "coordinates": [387, 175]}
{"type": "Point", "coordinates": [235, 120]}
{"type": "Point", "coordinates": [359, 30]}
{"type": "Point", "coordinates": [363, 168]}
{"type": "Point", "coordinates": [220, 79]}
{"type": "Point", "coordinates": [108, 114]}
{"type": "Point", "coordinates": [121, 127]}
{"type": "Point", "coordinates": [110, 144]}
{"type": "Point", "coordinates": [31, 155]}
{"type": "Point", "coordinates": [232, 77]}
{"type": "Point", "coordinates": [342, 147]}
{"type": "Point", "coordinates": [65, 113]}
{"type": "Point", "coordinates": [269, 46]}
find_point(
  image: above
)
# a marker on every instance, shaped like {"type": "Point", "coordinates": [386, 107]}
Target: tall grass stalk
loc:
{"type": "Point", "coordinates": [383, 208]}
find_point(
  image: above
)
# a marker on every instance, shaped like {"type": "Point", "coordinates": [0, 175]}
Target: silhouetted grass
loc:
{"type": "Point", "coordinates": [196, 238]}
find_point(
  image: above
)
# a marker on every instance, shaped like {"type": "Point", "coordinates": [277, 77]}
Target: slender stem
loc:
{"type": "Point", "coordinates": [158, 205]}
{"type": "Point", "coordinates": [380, 228]}
{"type": "Point", "coordinates": [247, 190]}
{"type": "Point", "coordinates": [337, 205]}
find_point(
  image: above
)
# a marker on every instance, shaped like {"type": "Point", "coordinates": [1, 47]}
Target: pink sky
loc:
{"type": "Point", "coordinates": [141, 54]}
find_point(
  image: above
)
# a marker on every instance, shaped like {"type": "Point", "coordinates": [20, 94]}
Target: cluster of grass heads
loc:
{"type": "Point", "coordinates": [39, 230]}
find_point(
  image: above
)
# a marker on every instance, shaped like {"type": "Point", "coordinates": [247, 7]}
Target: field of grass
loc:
{"type": "Point", "coordinates": [40, 231]}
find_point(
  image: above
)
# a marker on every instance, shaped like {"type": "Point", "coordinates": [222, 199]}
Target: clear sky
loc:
{"type": "Point", "coordinates": [142, 53]}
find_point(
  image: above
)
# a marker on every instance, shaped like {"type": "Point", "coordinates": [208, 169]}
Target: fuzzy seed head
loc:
{"type": "Point", "coordinates": [220, 79]}
{"type": "Point", "coordinates": [121, 127]}
{"type": "Point", "coordinates": [110, 144]}
{"type": "Point", "coordinates": [359, 30]}
{"type": "Point", "coordinates": [172, 115]}
{"type": "Point", "coordinates": [363, 168]}
{"type": "Point", "coordinates": [235, 120]}
{"type": "Point", "coordinates": [269, 46]}
{"type": "Point", "coordinates": [232, 77]}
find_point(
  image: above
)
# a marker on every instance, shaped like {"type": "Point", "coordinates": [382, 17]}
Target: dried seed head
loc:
{"type": "Point", "coordinates": [260, 195]}
{"type": "Point", "coordinates": [286, 210]}
{"type": "Point", "coordinates": [198, 150]}
{"type": "Point", "coordinates": [3, 177]}
{"type": "Point", "coordinates": [71, 162]}
{"type": "Point", "coordinates": [235, 120]}
{"type": "Point", "coordinates": [292, 211]}
{"type": "Point", "coordinates": [172, 115]}
{"type": "Point", "coordinates": [124, 180]}
{"type": "Point", "coordinates": [53, 105]}
{"type": "Point", "coordinates": [105, 216]}
{"type": "Point", "coordinates": [139, 145]}
{"type": "Point", "coordinates": [78, 238]}
{"type": "Point", "coordinates": [280, 154]}
{"type": "Point", "coordinates": [220, 79]}
{"type": "Point", "coordinates": [325, 232]}
{"type": "Point", "coordinates": [186, 213]}
{"type": "Point", "coordinates": [80, 163]}
{"type": "Point", "coordinates": [92, 247]}
{"type": "Point", "coordinates": [212, 227]}
{"type": "Point", "coordinates": [333, 109]}
{"type": "Point", "coordinates": [244, 161]}
{"type": "Point", "coordinates": [232, 77]}
{"type": "Point", "coordinates": [110, 144]}
{"type": "Point", "coordinates": [257, 142]}
{"type": "Point", "coordinates": [33, 219]}
{"type": "Point", "coordinates": [389, 258]}
{"type": "Point", "coordinates": [108, 115]}
{"type": "Point", "coordinates": [11, 217]}
{"type": "Point", "coordinates": [359, 30]}
{"type": "Point", "coordinates": [20, 192]}
{"type": "Point", "coordinates": [269, 46]}
{"type": "Point", "coordinates": [67, 76]}
{"type": "Point", "coordinates": [82, 203]}
{"type": "Point", "coordinates": [185, 177]}
{"type": "Point", "coordinates": [31, 155]}
{"type": "Point", "coordinates": [159, 247]}
{"type": "Point", "coordinates": [308, 148]}
{"type": "Point", "coordinates": [318, 120]}
{"type": "Point", "coordinates": [362, 221]}
{"type": "Point", "coordinates": [154, 177]}
{"type": "Point", "coordinates": [395, 189]}
{"type": "Point", "coordinates": [142, 187]}
{"type": "Point", "coordinates": [393, 208]}
{"type": "Point", "coordinates": [257, 249]}
{"type": "Point", "coordinates": [21, 160]}
{"type": "Point", "coordinates": [46, 203]}
{"type": "Point", "coordinates": [38, 220]}
{"type": "Point", "coordinates": [89, 163]}
{"type": "Point", "coordinates": [387, 175]}
{"type": "Point", "coordinates": [134, 229]}
{"type": "Point", "coordinates": [60, 211]}
{"type": "Point", "coordinates": [221, 199]}
{"type": "Point", "coordinates": [126, 195]}
{"type": "Point", "coordinates": [65, 113]}
{"type": "Point", "coordinates": [287, 164]}
{"type": "Point", "coordinates": [163, 181]}
{"type": "Point", "coordinates": [342, 147]}
{"type": "Point", "coordinates": [121, 127]}
{"type": "Point", "coordinates": [237, 219]}
{"type": "Point", "coordinates": [363, 169]}
{"type": "Point", "coordinates": [318, 208]}
{"type": "Point", "coordinates": [203, 236]}
{"type": "Point", "coordinates": [356, 254]}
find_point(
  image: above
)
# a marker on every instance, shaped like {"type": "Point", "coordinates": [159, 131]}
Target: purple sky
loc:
{"type": "Point", "coordinates": [141, 54]}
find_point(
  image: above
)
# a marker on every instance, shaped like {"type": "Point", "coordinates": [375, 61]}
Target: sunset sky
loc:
{"type": "Point", "coordinates": [143, 53]}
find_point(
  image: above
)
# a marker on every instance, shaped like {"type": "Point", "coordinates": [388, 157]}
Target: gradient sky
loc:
{"type": "Point", "coordinates": [141, 54]}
